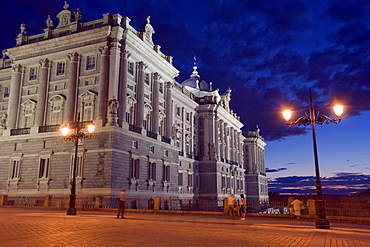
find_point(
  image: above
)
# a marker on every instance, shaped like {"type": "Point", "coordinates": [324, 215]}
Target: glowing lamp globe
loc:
{"type": "Point", "coordinates": [287, 114]}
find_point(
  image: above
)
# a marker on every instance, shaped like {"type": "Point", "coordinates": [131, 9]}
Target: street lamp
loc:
{"type": "Point", "coordinates": [72, 132]}
{"type": "Point", "coordinates": [313, 117]}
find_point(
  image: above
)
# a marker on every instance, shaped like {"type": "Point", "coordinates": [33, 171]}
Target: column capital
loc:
{"type": "Point", "coordinates": [73, 57]}
{"type": "Point", "coordinates": [104, 50]}
{"type": "Point", "coordinates": [17, 68]}
{"type": "Point", "coordinates": [141, 65]}
{"type": "Point", "coordinates": [169, 84]}
{"type": "Point", "coordinates": [44, 62]}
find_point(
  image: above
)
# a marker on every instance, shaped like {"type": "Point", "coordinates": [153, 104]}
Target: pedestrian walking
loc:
{"type": "Point", "coordinates": [290, 206]}
{"type": "Point", "coordinates": [243, 205]}
{"type": "Point", "coordinates": [297, 206]}
{"type": "Point", "coordinates": [122, 203]}
{"type": "Point", "coordinates": [230, 205]}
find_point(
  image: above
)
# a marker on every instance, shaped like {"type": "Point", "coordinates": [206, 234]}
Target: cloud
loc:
{"type": "Point", "coordinates": [341, 183]}
{"type": "Point", "coordinates": [276, 170]}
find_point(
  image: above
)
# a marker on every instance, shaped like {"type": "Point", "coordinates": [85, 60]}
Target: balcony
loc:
{"type": "Point", "coordinates": [23, 131]}
{"type": "Point", "coordinates": [135, 128]}
{"type": "Point", "coordinates": [166, 139]}
{"type": "Point", "coordinates": [49, 128]}
{"type": "Point", "coordinates": [151, 135]}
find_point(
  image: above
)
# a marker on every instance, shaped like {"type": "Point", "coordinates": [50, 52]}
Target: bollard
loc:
{"type": "Point", "coordinates": [98, 202]}
{"type": "Point", "coordinates": [157, 203]}
{"type": "Point", "coordinates": [311, 208]}
{"type": "Point", "coordinates": [47, 200]}
{"type": "Point", "coordinates": [226, 207]}
{"type": "Point", "coordinates": [3, 199]}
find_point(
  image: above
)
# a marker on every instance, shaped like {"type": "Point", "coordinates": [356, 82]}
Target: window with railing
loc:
{"type": "Point", "coordinates": [44, 167]}
{"type": "Point", "coordinates": [79, 166]}
{"type": "Point", "coordinates": [152, 170]}
{"type": "Point", "coordinates": [135, 168]}
{"type": "Point", "coordinates": [166, 173]}
{"type": "Point", "coordinates": [15, 169]}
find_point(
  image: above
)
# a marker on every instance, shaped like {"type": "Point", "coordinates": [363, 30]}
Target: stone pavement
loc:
{"type": "Point", "coordinates": [42, 227]}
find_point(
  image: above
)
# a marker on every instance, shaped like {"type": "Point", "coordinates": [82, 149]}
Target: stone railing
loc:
{"type": "Point", "coordinates": [173, 204]}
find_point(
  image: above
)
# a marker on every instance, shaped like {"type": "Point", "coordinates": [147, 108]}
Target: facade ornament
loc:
{"type": "Point", "coordinates": [78, 15]}
{"type": "Point", "coordinates": [64, 16]}
{"type": "Point", "coordinates": [49, 23]}
{"type": "Point", "coordinates": [113, 106]}
{"type": "Point", "coordinates": [147, 31]}
{"type": "Point", "coordinates": [3, 118]}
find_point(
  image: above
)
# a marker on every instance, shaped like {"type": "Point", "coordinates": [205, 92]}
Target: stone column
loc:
{"type": "Point", "coordinates": [122, 88]}
{"type": "Point", "coordinates": [169, 109]}
{"type": "Point", "coordinates": [103, 86]}
{"type": "Point", "coordinates": [155, 103]}
{"type": "Point", "coordinates": [42, 91]}
{"type": "Point", "coordinates": [232, 144]}
{"type": "Point", "coordinates": [14, 95]}
{"type": "Point", "coordinates": [139, 110]}
{"type": "Point", "coordinates": [227, 151]}
{"type": "Point", "coordinates": [72, 87]}
{"type": "Point", "coordinates": [222, 150]}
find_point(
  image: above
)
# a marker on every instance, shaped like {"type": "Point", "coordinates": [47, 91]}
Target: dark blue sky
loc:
{"type": "Point", "coordinates": [269, 52]}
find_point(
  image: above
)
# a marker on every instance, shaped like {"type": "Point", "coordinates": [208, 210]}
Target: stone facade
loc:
{"type": "Point", "coordinates": [154, 135]}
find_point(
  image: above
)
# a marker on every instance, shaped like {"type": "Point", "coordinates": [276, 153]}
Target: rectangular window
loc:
{"type": "Point", "coordinates": [88, 111]}
{"type": "Point", "coordinates": [135, 168]}
{"type": "Point", "coordinates": [161, 87]}
{"type": "Point", "coordinates": [166, 173]}
{"type": "Point", "coordinates": [130, 68]}
{"type": "Point", "coordinates": [187, 116]}
{"type": "Point", "coordinates": [61, 68]}
{"type": "Point", "coordinates": [147, 79]}
{"type": "Point", "coordinates": [180, 178]}
{"type": "Point", "coordinates": [90, 62]}
{"type": "Point", "coordinates": [223, 182]}
{"type": "Point", "coordinates": [152, 171]}
{"type": "Point", "coordinates": [190, 180]}
{"type": "Point", "coordinates": [79, 167]}
{"type": "Point", "coordinates": [28, 117]}
{"type": "Point", "coordinates": [135, 144]}
{"type": "Point", "coordinates": [144, 124]}
{"type": "Point", "coordinates": [127, 117]}
{"type": "Point", "coordinates": [6, 92]}
{"type": "Point", "coordinates": [44, 168]}
{"type": "Point", "coordinates": [56, 115]}
{"type": "Point", "coordinates": [59, 86]}
{"type": "Point", "coordinates": [15, 169]}
{"type": "Point", "coordinates": [178, 111]}
{"type": "Point", "coordinates": [33, 74]}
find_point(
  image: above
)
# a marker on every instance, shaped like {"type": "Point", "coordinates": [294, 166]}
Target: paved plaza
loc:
{"type": "Point", "coordinates": [40, 227]}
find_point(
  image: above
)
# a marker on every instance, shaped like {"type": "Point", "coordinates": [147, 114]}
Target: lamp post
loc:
{"type": "Point", "coordinates": [76, 135]}
{"type": "Point", "coordinates": [313, 117]}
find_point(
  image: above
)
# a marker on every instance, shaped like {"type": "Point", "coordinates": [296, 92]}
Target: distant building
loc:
{"type": "Point", "coordinates": [154, 136]}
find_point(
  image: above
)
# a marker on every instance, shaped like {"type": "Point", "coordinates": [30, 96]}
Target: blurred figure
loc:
{"type": "Point", "coordinates": [230, 204]}
{"type": "Point", "coordinates": [121, 203]}
{"type": "Point", "coordinates": [297, 205]}
{"type": "Point", "coordinates": [290, 206]}
{"type": "Point", "coordinates": [243, 205]}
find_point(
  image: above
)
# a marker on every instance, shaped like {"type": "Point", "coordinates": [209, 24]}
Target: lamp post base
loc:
{"type": "Point", "coordinates": [322, 224]}
{"type": "Point", "coordinates": [71, 211]}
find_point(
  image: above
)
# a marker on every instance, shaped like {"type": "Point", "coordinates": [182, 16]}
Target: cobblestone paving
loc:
{"type": "Point", "coordinates": [36, 227]}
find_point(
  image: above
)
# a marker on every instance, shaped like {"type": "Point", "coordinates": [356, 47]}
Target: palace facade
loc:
{"type": "Point", "coordinates": [154, 135]}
